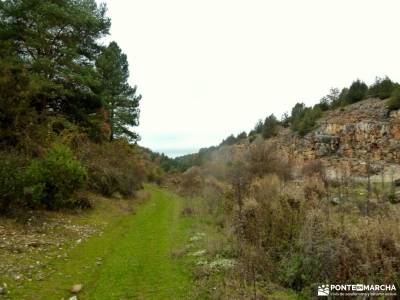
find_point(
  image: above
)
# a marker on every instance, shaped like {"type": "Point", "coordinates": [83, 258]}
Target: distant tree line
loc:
{"type": "Point", "coordinates": [303, 119]}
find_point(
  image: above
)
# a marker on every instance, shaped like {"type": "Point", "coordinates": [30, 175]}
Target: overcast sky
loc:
{"type": "Point", "coordinates": [209, 68]}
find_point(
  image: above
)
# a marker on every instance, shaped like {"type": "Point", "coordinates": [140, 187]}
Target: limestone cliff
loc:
{"type": "Point", "coordinates": [350, 138]}
{"type": "Point", "coordinates": [346, 140]}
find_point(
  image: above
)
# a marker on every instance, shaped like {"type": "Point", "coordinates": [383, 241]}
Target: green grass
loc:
{"type": "Point", "coordinates": [135, 252]}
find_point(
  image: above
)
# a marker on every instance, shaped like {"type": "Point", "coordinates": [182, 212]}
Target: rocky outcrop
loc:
{"type": "Point", "coordinates": [350, 139]}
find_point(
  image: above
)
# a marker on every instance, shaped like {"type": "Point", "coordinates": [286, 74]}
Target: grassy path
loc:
{"type": "Point", "coordinates": [131, 260]}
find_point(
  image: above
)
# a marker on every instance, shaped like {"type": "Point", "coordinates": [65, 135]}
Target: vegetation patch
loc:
{"type": "Point", "coordinates": [128, 255]}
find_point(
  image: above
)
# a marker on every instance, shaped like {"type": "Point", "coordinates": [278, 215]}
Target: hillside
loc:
{"type": "Point", "coordinates": [299, 211]}
{"type": "Point", "coordinates": [349, 137]}
{"type": "Point", "coordinates": [345, 140]}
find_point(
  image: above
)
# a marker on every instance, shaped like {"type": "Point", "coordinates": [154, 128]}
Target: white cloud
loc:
{"type": "Point", "coordinates": [213, 67]}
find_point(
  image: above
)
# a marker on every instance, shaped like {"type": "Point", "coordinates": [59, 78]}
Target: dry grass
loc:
{"type": "Point", "coordinates": [290, 232]}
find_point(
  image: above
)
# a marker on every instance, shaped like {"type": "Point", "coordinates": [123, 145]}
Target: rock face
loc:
{"type": "Point", "coordinates": [350, 138]}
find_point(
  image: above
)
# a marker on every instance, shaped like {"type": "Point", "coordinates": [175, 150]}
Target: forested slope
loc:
{"type": "Point", "coordinates": [67, 109]}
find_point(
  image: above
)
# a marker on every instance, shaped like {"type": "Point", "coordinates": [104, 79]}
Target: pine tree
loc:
{"type": "Point", "coordinates": [270, 127]}
{"type": "Point", "coordinates": [58, 43]}
{"type": "Point", "coordinates": [382, 88]}
{"type": "Point", "coordinates": [357, 92]}
{"type": "Point", "coordinates": [120, 98]}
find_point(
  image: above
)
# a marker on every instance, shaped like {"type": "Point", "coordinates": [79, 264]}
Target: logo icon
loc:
{"type": "Point", "coordinates": [359, 287]}
{"type": "Point", "coordinates": [323, 290]}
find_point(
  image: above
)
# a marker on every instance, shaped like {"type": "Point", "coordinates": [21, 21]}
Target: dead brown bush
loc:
{"type": "Point", "coordinates": [265, 159]}
{"type": "Point", "coordinates": [112, 167]}
{"type": "Point", "coordinates": [191, 182]}
{"type": "Point", "coordinates": [214, 194]}
{"type": "Point", "coordinates": [330, 250]}
{"type": "Point", "coordinates": [314, 188]}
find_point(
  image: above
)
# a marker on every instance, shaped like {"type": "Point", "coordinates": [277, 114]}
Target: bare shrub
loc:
{"type": "Point", "coordinates": [214, 194]}
{"type": "Point", "coordinates": [365, 251]}
{"type": "Point", "coordinates": [314, 188]}
{"type": "Point", "coordinates": [282, 235]}
{"type": "Point", "coordinates": [264, 158]}
{"type": "Point", "coordinates": [252, 221]}
{"type": "Point", "coordinates": [270, 222]}
{"type": "Point", "coordinates": [113, 168]}
{"type": "Point", "coordinates": [192, 182]}
{"type": "Point", "coordinates": [315, 249]}
{"type": "Point", "coordinates": [216, 169]}
{"type": "Point", "coordinates": [266, 187]}
{"type": "Point", "coordinates": [315, 180]}
{"type": "Point", "coordinates": [282, 215]}
{"type": "Point", "coordinates": [240, 177]}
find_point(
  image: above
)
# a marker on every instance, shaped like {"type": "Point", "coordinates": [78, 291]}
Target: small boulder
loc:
{"type": "Point", "coordinates": [76, 288]}
{"type": "Point", "coordinates": [73, 298]}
